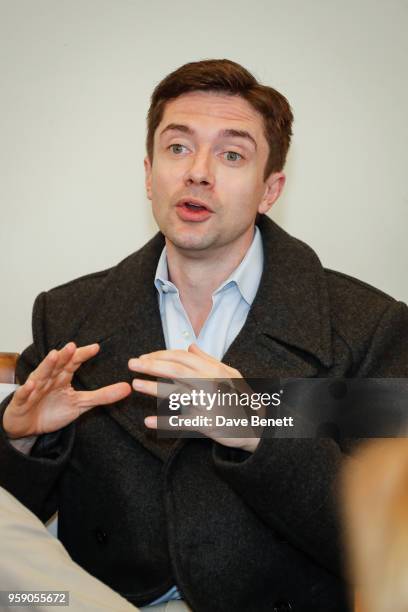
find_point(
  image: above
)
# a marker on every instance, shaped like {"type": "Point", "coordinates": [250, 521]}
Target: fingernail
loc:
{"type": "Point", "coordinates": [138, 384]}
{"type": "Point", "coordinates": [134, 363]}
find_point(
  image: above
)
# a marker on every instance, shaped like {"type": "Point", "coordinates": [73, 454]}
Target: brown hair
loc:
{"type": "Point", "coordinates": [225, 76]}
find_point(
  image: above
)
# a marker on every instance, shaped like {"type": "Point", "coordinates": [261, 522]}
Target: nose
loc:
{"type": "Point", "coordinates": [200, 170]}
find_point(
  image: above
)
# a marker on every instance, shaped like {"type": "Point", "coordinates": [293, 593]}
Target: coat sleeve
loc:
{"type": "Point", "coordinates": [33, 478]}
{"type": "Point", "coordinates": [291, 484]}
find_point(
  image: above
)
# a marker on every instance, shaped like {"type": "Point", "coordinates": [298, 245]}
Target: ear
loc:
{"type": "Point", "coordinates": [148, 177]}
{"type": "Point", "coordinates": [273, 188]}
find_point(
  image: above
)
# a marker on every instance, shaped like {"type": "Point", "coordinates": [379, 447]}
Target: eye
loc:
{"type": "Point", "coordinates": [177, 148]}
{"type": "Point", "coordinates": [232, 156]}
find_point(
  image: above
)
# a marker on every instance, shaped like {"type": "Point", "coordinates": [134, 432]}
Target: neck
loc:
{"type": "Point", "coordinates": [197, 278]}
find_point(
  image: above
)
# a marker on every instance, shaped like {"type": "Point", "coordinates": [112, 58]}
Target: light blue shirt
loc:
{"type": "Point", "coordinates": [231, 303]}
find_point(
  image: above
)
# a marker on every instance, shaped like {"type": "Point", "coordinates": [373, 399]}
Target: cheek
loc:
{"type": "Point", "coordinates": [241, 190]}
{"type": "Point", "coordinates": [166, 180]}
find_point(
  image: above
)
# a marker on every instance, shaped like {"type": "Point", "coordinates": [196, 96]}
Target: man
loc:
{"type": "Point", "coordinates": [226, 524]}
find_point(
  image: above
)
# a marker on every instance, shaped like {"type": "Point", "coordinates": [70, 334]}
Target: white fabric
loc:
{"type": "Point", "coordinates": [32, 560]}
{"type": "Point", "coordinates": [5, 390]}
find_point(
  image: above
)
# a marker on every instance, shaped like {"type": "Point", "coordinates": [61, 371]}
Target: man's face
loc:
{"type": "Point", "coordinates": [206, 182]}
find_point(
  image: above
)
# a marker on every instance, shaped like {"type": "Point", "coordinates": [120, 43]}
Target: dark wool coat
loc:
{"type": "Point", "coordinates": [235, 531]}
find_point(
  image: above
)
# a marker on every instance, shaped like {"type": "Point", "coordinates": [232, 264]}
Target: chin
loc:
{"type": "Point", "coordinates": [191, 244]}
{"type": "Point", "coordinates": [189, 241]}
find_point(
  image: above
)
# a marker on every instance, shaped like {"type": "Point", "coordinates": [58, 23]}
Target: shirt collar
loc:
{"type": "Point", "coordinates": [162, 272]}
{"type": "Point", "coordinates": [246, 276]}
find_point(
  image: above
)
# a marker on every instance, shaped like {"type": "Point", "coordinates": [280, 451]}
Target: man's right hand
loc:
{"type": "Point", "coordinates": [47, 401]}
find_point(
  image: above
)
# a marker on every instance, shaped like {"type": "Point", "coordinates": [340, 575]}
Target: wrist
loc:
{"type": "Point", "coordinates": [13, 433]}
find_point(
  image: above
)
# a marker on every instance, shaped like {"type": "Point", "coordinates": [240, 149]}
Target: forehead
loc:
{"type": "Point", "coordinates": [213, 109]}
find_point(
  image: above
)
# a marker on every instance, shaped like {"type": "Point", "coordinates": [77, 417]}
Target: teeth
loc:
{"type": "Point", "coordinates": [194, 205]}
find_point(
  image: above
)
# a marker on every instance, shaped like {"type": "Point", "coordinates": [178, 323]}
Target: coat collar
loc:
{"type": "Point", "coordinates": [286, 334]}
{"type": "Point", "coordinates": [292, 304]}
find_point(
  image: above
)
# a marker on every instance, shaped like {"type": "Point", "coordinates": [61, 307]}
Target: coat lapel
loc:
{"type": "Point", "coordinates": [126, 322]}
{"type": "Point", "coordinates": [286, 334]}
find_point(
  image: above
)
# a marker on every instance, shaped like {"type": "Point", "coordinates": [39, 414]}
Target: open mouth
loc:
{"type": "Point", "coordinates": [192, 206]}
{"type": "Point", "coordinates": [193, 210]}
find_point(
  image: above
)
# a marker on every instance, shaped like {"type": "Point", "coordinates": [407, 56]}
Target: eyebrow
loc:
{"type": "Point", "coordinates": [229, 133]}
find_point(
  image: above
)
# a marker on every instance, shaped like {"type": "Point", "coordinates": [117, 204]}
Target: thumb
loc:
{"type": "Point", "coordinates": [101, 397]}
{"type": "Point", "coordinates": [195, 349]}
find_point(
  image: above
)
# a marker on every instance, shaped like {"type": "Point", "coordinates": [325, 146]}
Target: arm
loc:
{"type": "Point", "coordinates": [31, 479]}
{"type": "Point", "coordinates": [292, 484]}
{"type": "Point", "coordinates": [45, 405]}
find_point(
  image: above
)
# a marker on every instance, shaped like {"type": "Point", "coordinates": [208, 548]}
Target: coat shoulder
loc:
{"type": "Point", "coordinates": [85, 288]}
{"type": "Point", "coordinates": [73, 297]}
{"type": "Point", "coordinates": [82, 284]}
{"type": "Point", "coordinates": [356, 307]}
{"type": "Point", "coordinates": [344, 284]}
{"type": "Point", "coordinates": [63, 309]}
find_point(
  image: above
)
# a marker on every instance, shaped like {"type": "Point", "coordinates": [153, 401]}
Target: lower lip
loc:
{"type": "Point", "coordinates": [190, 214]}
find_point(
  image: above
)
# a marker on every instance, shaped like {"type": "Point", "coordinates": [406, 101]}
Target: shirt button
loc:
{"type": "Point", "coordinates": [186, 334]}
{"type": "Point", "coordinates": [165, 289]}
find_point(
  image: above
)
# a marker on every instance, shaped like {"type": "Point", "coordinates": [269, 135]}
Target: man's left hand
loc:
{"type": "Point", "coordinates": [179, 364]}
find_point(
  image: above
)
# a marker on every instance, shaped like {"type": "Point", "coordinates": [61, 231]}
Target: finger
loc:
{"type": "Point", "coordinates": [193, 362]}
{"type": "Point", "coordinates": [177, 356]}
{"type": "Point", "coordinates": [161, 368]}
{"type": "Point", "coordinates": [194, 358]}
{"type": "Point", "coordinates": [82, 354]}
{"type": "Point", "coordinates": [64, 355]}
{"type": "Point", "coordinates": [110, 394]}
{"type": "Point", "coordinates": [151, 422]}
{"type": "Point", "coordinates": [64, 371]}
{"type": "Point", "coordinates": [178, 352]}
{"type": "Point", "coordinates": [154, 422]}
{"type": "Point", "coordinates": [68, 359]}
{"type": "Point", "coordinates": [162, 423]}
{"type": "Point", "coordinates": [22, 394]}
{"type": "Point", "coordinates": [151, 387]}
{"type": "Point", "coordinates": [195, 350]}
{"type": "Point", "coordinates": [44, 370]}
{"type": "Point", "coordinates": [49, 368]}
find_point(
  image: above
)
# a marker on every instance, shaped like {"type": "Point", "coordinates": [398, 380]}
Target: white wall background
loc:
{"type": "Point", "coordinates": [76, 76]}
